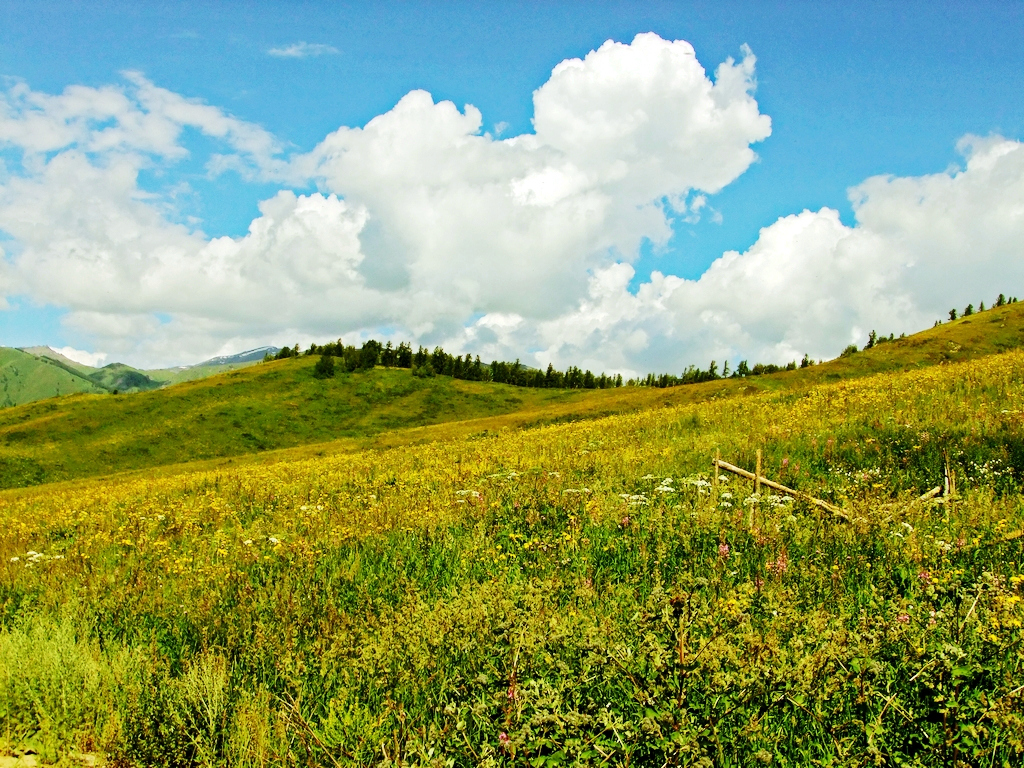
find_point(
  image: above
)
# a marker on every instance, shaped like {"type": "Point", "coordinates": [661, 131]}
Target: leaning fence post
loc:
{"type": "Point", "coordinates": [757, 474]}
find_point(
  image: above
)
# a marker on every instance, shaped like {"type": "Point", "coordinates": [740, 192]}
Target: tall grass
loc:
{"type": "Point", "coordinates": [577, 593]}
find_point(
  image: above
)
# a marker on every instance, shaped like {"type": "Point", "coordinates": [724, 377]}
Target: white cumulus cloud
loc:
{"type": "Point", "coordinates": [467, 223]}
{"type": "Point", "coordinates": [424, 220]}
{"type": "Point", "coordinates": [811, 284]}
{"type": "Point", "coordinates": [427, 227]}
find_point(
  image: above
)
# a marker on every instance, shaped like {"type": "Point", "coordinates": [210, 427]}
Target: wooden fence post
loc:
{"type": "Point", "coordinates": [714, 480]}
{"type": "Point", "coordinates": [757, 474]}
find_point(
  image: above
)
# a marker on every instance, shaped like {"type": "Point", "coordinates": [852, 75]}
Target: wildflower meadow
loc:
{"type": "Point", "coordinates": [583, 593]}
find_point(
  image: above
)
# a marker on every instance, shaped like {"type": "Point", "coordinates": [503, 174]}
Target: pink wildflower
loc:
{"type": "Point", "coordinates": [903, 618]}
{"type": "Point", "coordinates": [781, 564]}
{"type": "Point", "coordinates": [723, 550]}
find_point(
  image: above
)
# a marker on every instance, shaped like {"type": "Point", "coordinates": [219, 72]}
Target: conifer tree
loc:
{"type": "Point", "coordinates": [403, 355]}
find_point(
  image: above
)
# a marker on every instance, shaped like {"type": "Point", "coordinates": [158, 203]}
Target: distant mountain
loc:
{"type": "Point", "coordinates": [211, 367]}
{"type": "Point", "coordinates": [252, 356]}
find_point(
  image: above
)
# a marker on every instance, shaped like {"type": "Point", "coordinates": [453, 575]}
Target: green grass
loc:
{"type": "Point", "coordinates": [486, 585]}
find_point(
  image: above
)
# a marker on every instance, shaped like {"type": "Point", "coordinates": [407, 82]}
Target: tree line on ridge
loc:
{"type": "Point", "coordinates": [348, 358]}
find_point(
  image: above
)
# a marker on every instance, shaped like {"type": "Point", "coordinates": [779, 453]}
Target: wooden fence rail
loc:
{"type": "Point", "coordinates": [940, 494]}
{"type": "Point", "coordinates": [760, 480]}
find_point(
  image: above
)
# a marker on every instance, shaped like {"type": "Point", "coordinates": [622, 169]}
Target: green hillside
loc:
{"type": "Point", "coordinates": [270, 406]}
{"type": "Point", "coordinates": [121, 378]}
{"type": "Point", "coordinates": [115, 377]}
{"type": "Point", "coordinates": [66, 362]}
{"type": "Point", "coordinates": [584, 594]}
{"type": "Point", "coordinates": [983, 333]}
{"type": "Point", "coordinates": [274, 406]}
{"type": "Point", "coordinates": [25, 378]}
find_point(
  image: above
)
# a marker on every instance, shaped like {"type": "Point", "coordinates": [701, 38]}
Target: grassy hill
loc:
{"type": "Point", "coordinates": [967, 338]}
{"type": "Point", "coordinates": [23, 385]}
{"type": "Point", "coordinates": [25, 378]}
{"type": "Point", "coordinates": [568, 594]}
{"type": "Point", "coordinates": [275, 406]}
{"type": "Point", "coordinates": [270, 406]}
{"type": "Point", "coordinates": [66, 362]}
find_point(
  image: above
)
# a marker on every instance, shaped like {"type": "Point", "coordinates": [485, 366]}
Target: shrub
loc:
{"type": "Point", "coordinates": [53, 692]}
{"type": "Point", "coordinates": [424, 371]}
{"type": "Point", "coordinates": [324, 368]}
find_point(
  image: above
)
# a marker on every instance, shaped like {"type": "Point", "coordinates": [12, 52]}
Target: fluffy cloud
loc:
{"type": "Point", "coordinates": [140, 120]}
{"type": "Point", "coordinates": [426, 227]}
{"type": "Point", "coordinates": [810, 284]}
{"type": "Point", "coordinates": [100, 250]}
{"type": "Point", "coordinates": [467, 224]}
{"type": "Point", "coordinates": [424, 221]}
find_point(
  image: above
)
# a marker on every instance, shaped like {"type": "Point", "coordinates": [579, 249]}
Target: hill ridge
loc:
{"type": "Point", "coordinates": [280, 405]}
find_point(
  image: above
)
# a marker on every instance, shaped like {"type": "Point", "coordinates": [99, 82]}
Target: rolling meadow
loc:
{"type": "Point", "coordinates": [569, 591]}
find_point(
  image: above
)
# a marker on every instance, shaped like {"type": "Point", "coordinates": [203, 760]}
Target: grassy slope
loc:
{"type": "Point", "coordinates": [279, 411]}
{"type": "Point", "coordinates": [118, 376]}
{"type": "Point", "coordinates": [520, 598]}
{"type": "Point", "coordinates": [25, 378]}
{"type": "Point", "coordinates": [192, 373]}
{"type": "Point", "coordinates": [123, 378]}
{"type": "Point", "coordinates": [80, 368]}
{"type": "Point", "coordinates": [270, 406]}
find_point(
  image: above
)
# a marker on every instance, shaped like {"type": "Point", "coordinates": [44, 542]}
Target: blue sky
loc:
{"type": "Point", "coordinates": [853, 90]}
